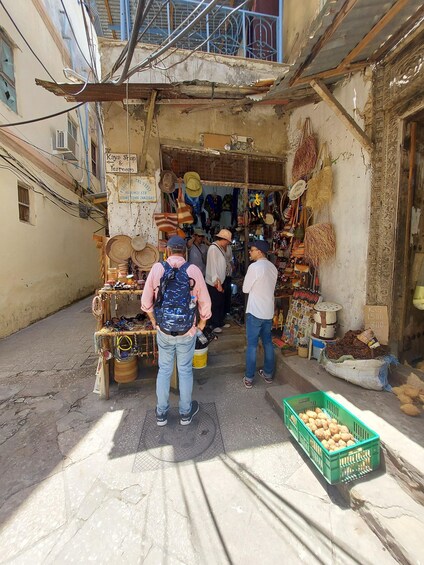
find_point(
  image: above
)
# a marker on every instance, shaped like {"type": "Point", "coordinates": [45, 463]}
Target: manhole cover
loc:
{"type": "Point", "coordinates": [174, 443]}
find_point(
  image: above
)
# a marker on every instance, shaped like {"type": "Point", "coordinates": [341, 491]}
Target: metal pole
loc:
{"type": "Point", "coordinates": [123, 13]}
{"type": "Point", "coordinates": [280, 32]}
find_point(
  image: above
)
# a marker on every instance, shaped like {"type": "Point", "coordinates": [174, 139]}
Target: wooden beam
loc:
{"type": "Point", "coordinates": [340, 70]}
{"type": "Point", "coordinates": [321, 89]}
{"type": "Point", "coordinates": [147, 130]}
{"type": "Point", "coordinates": [380, 25]}
{"type": "Point", "coordinates": [109, 17]}
{"type": "Point", "coordinates": [326, 36]}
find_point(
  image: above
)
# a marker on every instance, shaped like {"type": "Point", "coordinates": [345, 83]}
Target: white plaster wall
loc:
{"type": "Point", "coordinates": [343, 280]}
{"type": "Point", "coordinates": [53, 261]}
{"type": "Point", "coordinates": [200, 66]}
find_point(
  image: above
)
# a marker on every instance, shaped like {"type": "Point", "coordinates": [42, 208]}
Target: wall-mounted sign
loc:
{"type": "Point", "coordinates": [121, 163]}
{"type": "Point", "coordinates": [137, 189]}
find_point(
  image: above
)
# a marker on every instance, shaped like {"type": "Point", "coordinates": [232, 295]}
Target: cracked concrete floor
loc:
{"type": "Point", "coordinates": [69, 493]}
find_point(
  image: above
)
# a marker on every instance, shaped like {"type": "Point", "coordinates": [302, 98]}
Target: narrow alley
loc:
{"type": "Point", "coordinates": [84, 479]}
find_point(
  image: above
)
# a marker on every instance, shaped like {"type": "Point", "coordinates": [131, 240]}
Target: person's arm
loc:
{"type": "Point", "coordinates": [149, 292]}
{"type": "Point", "coordinates": [202, 296]}
{"type": "Point", "coordinates": [249, 280]}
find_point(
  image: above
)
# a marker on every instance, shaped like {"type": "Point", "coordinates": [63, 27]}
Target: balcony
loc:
{"type": "Point", "coordinates": [223, 30]}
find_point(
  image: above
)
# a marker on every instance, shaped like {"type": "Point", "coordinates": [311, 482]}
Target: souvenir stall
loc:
{"type": "Point", "coordinates": [124, 339]}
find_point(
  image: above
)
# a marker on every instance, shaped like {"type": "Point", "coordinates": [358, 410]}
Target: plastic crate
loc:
{"type": "Point", "coordinates": [344, 464]}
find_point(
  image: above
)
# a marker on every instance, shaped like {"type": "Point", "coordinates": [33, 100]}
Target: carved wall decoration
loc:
{"type": "Point", "coordinates": [398, 91]}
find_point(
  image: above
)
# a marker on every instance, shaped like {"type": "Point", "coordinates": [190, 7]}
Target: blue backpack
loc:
{"type": "Point", "coordinates": [174, 308]}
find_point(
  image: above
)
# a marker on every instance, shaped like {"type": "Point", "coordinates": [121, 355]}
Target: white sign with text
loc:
{"type": "Point", "coordinates": [137, 189]}
{"type": "Point", "coordinates": [121, 163]}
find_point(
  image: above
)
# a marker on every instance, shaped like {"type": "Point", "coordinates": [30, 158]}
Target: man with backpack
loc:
{"type": "Point", "coordinates": [173, 293]}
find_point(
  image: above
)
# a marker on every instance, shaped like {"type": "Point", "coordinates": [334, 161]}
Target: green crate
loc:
{"type": "Point", "coordinates": [336, 466]}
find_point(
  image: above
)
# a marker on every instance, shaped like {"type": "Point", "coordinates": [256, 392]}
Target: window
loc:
{"type": "Point", "coordinates": [23, 203]}
{"type": "Point", "coordinates": [94, 159]}
{"type": "Point", "coordinates": [72, 130]}
{"type": "Point", "coordinates": [7, 73]}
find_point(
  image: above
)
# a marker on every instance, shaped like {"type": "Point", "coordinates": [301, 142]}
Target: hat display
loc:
{"type": "Point", "coordinates": [167, 181]}
{"type": "Point", "coordinates": [176, 242]}
{"type": "Point", "coordinates": [260, 244]}
{"type": "Point", "coordinates": [193, 185]}
{"type": "Point", "coordinates": [145, 258]}
{"type": "Point", "coordinates": [138, 242]}
{"type": "Point", "coordinates": [119, 248]}
{"type": "Point", "coordinates": [297, 190]}
{"type": "Point", "coordinates": [224, 234]}
{"type": "Point", "coordinates": [199, 231]}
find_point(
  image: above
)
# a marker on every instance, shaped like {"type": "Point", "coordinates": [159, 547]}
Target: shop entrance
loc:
{"type": "Point", "coordinates": [237, 194]}
{"type": "Point", "coordinates": [408, 299]}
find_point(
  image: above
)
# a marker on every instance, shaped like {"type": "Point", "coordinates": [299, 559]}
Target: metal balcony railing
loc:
{"type": "Point", "coordinates": [242, 33]}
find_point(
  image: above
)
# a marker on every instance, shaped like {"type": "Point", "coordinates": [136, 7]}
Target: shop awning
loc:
{"type": "Point", "coordinates": [349, 35]}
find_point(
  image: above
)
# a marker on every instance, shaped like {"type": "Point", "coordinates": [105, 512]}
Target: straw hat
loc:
{"type": "Point", "coordinates": [269, 219]}
{"type": "Point", "coordinates": [193, 185]}
{"type": "Point", "coordinates": [138, 242]}
{"type": "Point", "coordinates": [224, 234]}
{"type": "Point", "coordinates": [297, 190]}
{"type": "Point", "coordinates": [167, 181]}
{"type": "Point", "coordinates": [118, 248]}
{"type": "Point", "coordinates": [145, 258]}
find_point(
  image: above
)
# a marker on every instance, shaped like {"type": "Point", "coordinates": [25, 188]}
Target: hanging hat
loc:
{"type": "Point", "coordinates": [167, 181]}
{"type": "Point", "coordinates": [145, 258]}
{"type": "Point", "coordinates": [118, 248]}
{"type": "Point", "coordinates": [138, 242]}
{"type": "Point", "coordinates": [297, 190]}
{"type": "Point", "coordinates": [269, 219]}
{"type": "Point", "coordinates": [193, 185]}
{"type": "Point", "coordinates": [224, 234]}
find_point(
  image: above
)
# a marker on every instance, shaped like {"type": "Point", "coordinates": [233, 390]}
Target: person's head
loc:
{"type": "Point", "coordinates": [258, 249]}
{"type": "Point", "coordinates": [224, 238]}
{"type": "Point", "coordinates": [176, 245]}
{"type": "Point", "coordinates": [198, 236]}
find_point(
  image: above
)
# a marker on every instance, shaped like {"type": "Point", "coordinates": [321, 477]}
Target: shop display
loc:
{"type": "Point", "coordinates": [299, 319]}
{"type": "Point", "coordinates": [306, 153]}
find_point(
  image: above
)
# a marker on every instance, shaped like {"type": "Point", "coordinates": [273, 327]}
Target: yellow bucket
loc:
{"type": "Point", "coordinates": [125, 370]}
{"type": "Point", "coordinates": [200, 359]}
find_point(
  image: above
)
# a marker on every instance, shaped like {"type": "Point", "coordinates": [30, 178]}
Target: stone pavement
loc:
{"type": "Point", "coordinates": [89, 480]}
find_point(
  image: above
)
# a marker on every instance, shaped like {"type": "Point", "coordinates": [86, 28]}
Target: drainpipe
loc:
{"type": "Point", "coordinates": [123, 12]}
{"type": "Point", "coordinates": [280, 32]}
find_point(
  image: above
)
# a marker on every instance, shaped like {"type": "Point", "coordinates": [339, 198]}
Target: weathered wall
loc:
{"type": "Point", "coordinates": [344, 279]}
{"type": "Point", "coordinates": [51, 261]}
{"type": "Point", "coordinates": [48, 263]}
{"type": "Point", "coordinates": [124, 126]}
{"type": "Point", "coordinates": [298, 17]}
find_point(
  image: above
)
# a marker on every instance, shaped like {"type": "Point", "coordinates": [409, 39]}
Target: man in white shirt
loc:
{"type": "Point", "coordinates": [259, 283]}
{"type": "Point", "coordinates": [216, 269]}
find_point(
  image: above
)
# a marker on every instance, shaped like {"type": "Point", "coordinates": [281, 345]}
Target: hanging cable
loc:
{"type": "Point", "coordinates": [159, 52]}
{"type": "Point", "coordinates": [26, 42]}
{"type": "Point", "coordinates": [201, 44]}
{"type": "Point", "coordinates": [133, 39]}
{"type": "Point", "coordinates": [42, 118]}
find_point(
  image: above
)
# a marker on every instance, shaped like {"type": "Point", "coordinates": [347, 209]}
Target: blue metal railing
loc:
{"type": "Point", "coordinates": [243, 34]}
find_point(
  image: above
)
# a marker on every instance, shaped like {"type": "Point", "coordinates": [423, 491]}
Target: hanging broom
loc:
{"type": "Point", "coordinates": [320, 243]}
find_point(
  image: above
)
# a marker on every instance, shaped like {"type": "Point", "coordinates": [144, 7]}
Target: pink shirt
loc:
{"type": "Point", "coordinates": [200, 292]}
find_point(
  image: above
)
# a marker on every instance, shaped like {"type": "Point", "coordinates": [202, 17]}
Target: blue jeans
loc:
{"type": "Point", "coordinates": [170, 346]}
{"type": "Point", "coordinates": [255, 329]}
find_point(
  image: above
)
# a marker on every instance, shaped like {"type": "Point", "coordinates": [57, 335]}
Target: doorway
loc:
{"type": "Point", "coordinates": [407, 315]}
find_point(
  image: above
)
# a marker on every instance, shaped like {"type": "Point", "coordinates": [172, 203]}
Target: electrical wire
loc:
{"type": "Point", "coordinates": [42, 118]}
{"type": "Point", "coordinates": [138, 20]}
{"type": "Point", "coordinates": [26, 42]}
{"type": "Point", "coordinates": [165, 47]}
{"type": "Point", "coordinates": [90, 42]}
{"type": "Point", "coordinates": [76, 40]}
{"type": "Point", "coordinates": [201, 44]}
